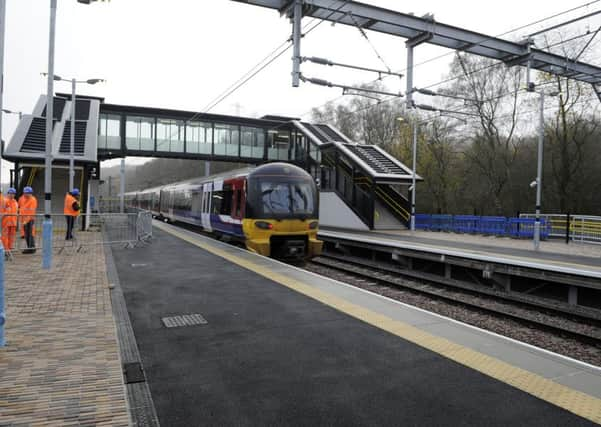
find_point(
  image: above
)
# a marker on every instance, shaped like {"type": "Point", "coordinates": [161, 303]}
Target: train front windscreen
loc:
{"type": "Point", "coordinates": [281, 198]}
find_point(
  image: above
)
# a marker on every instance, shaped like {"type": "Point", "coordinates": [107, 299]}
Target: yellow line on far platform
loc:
{"type": "Point", "coordinates": [574, 401]}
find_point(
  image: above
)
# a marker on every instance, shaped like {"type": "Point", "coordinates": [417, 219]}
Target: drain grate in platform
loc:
{"type": "Point", "coordinates": [133, 373]}
{"type": "Point", "coordinates": [139, 265]}
{"type": "Point", "coordinates": [184, 320]}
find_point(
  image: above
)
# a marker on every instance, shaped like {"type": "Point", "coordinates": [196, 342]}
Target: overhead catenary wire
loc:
{"type": "Point", "coordinates": [513, 92]}
{"type": "Point", "coordinates": [435, 58]}
{"type": "Point", "coordinates": [286, 45]}
{"type": "Point", "coordinates": [471, 72]}
{"type": "Point", "coordinates": [521, 113]}
{"type": "Point", "coordinates": [250, 74]}
{"type": "Point", "coordinates": [373, 47]}
{"type": "Point", "coordinates": [563, 24]}
{"type": "Point", "coordinates": [587, 45]}
{"type": "Point", "coordinates": [258, 64]}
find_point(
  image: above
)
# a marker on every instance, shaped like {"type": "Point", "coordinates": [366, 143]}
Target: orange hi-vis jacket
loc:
{"type": "Point", "coordinates": [69, 202]}
{"type": "Point", "coordinates": [27, 208]}
{"type": "Point", "coordinates": [9, 209]}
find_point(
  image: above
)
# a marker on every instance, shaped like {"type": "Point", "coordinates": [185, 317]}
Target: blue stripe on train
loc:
{"type": "Point", "coordinates": [226, 228]}
{"type": "Point", "coordinates": [216, 223]}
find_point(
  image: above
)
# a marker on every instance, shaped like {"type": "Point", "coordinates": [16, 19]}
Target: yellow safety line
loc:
{"type": "Point", "coordinates": [579, 403]}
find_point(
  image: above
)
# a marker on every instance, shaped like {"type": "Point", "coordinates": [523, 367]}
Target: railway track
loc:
{"type": "Point", "coordinates": [583, 327]}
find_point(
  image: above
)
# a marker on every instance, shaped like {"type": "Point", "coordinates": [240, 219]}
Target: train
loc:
{"type": "Point", "coordinates": [272, 209]}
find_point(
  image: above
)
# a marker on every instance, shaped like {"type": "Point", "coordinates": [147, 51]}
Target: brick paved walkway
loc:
{"type": "Point", "coordinates": [61, 365]}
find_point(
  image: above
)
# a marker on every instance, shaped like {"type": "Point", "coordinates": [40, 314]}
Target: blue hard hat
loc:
{"type": "Point", "coordinates": [11, 190]}
{"type": "Point", "coordinates": [75, 191]}
{"type": "Point", "coordinates": [28, 190]}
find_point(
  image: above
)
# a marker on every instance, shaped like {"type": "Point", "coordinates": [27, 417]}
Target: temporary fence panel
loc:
{"type": "Point", "coordinates": [466, 223]}
{"type": "Point", "coordinates": [491, 225]}
{"type": "Point", "coordinates": [524, 228]}
{"type": "Point", "coordinates": [577, 228]}
{"type": "Point", "coordinates": [442, 223]}
{"type": "Point", "coordinates": [496, 225]}
{"type": "Point", "coordinates": [107, 228]}
{"type": "Point", "coordinates": [144, 226]}
{"type": "Point", "coordinates": [556, 223]}
{"type": "Point", "coordinates": [423, 221]}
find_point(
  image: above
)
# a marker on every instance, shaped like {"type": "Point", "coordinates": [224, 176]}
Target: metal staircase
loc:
{"type": "Point", "coordinates": [369, 181]}
{"type": "Point", "coordinates": [378, 160]}
{"type": "Point", "coordinates": [80, 138]}
{"type": "Point", "coordinates": [35, 140]}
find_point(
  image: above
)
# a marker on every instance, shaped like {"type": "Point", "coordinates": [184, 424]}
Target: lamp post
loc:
{"type": "Point", "coordinates": [413, 174]}
{"type": "Point", "coordinates": [47, 226]}
{"type": "Point", "coordinates": [2, 29]}
{"type": "Point", "coordinates": [539, 168]}
{"type": "Point", "coordinates": [74, 83]}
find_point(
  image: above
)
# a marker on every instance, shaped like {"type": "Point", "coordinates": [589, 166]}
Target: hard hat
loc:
{"type": "Point", "coordinates": [75, 191]}
{"type": "Point", "coordinates": [12, 191]}
{"type": "Point", "coordinates": [28, 190]}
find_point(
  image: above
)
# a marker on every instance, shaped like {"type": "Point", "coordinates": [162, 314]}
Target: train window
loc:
{"type": "Point", "coordinates": [217, 201]}
{"type": "Point", "coordinates": [284, 198]}
{"type": "Point", "coordinates": [196, 201]}
{"type": "Point", "coordinates": [226, 203]}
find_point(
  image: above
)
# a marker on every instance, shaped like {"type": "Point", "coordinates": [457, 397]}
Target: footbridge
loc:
{"type": "Point", "coordinates": [362, 186]}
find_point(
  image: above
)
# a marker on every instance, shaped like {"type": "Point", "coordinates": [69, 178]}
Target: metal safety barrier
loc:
{"type": "Point", "coordinates": [128, 229]}
{"type": "Point", "coordinates": [488, 225]}
{"type": "Point", "coordinates": [441, 223]}
{"type": "Point", "coordinates": [575, 228]}
{"type": "Point", "coordinates": [558, 224]}
{"type": "Point", "coordinates": [466, 223]}
{"type": "Point", "coordinates": [585, 229]}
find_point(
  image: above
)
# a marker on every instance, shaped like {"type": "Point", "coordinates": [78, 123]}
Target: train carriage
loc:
{"type": "Point", "coordinates": [272, 209]}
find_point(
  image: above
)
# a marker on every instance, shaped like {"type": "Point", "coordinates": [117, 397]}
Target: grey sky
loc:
{"type": "Point", "coordinates": [182, 53]}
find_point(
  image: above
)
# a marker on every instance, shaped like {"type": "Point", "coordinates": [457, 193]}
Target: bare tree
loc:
{"type": "Point", "coordinates": [491, 91]}
{"type": "Point", "coordinates": [438, 162]}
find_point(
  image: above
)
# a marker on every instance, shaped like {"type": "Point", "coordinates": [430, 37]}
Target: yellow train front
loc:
{"type": "Point", "coordinates": [281, 218]}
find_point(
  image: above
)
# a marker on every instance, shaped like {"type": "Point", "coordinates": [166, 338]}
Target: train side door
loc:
{"type": "Point", "coordinates": [205, 216]}
{"type": "Point", "coordinates": [239, 200]}
{"type": "Point", "coordinates": [171, 200]}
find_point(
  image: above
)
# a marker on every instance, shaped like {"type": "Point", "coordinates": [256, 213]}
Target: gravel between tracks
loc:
{"type": "Point", "coordinates": [503, 326]}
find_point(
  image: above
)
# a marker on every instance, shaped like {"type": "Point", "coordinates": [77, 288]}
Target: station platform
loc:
{"type": "Point", "coordinates": [575, 259]}
{"type": "Point", "coordinates": [283, 346]}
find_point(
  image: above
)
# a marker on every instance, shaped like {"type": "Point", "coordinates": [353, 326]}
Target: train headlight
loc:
{"type": "Point", "coordinates": [313, 225]}
{"type": "Point", "coordinates": [264, 225]}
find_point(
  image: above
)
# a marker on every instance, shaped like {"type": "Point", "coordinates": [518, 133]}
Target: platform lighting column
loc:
{"type": "Point", "coordinates": [539, 171]}
{"type": "Point", "coordinates": [413, 186]}
{"type": "Point", "coordinates": [72, 142]}
{"type": "Point", "coordinates": [47, 226]}
{"type": "Point", "coordinates": [2, 28]}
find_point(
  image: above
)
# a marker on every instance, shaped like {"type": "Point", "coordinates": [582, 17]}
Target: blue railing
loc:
{"type": "Point", "coordinates": [489, 225]}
